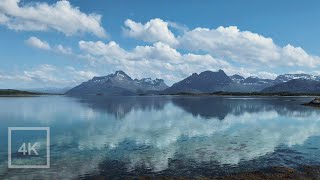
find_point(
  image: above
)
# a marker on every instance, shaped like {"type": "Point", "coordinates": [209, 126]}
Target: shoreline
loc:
{"type": "Point", "coordinates": [281, 94]}
{"type": "Point", "coordinates": [18, 93]}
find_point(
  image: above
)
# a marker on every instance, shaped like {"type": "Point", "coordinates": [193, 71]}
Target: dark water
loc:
{"type": "Point", "coordinates": [123, 137]}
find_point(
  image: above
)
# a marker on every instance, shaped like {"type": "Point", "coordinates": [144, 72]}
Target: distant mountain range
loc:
{"type": "Point", "coordinates": [295, 86]}
{"type": "Point", "coordinates": [120, 83]}
{"type": "Point", "coordinates": [49, 90]}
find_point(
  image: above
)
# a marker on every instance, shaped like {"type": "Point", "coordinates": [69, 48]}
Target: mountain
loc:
{"type": "Point", "coordinates": [151, 85]}
{"type": "Point", "coordinates": [250, 84]}
{"type": "Point", "coordinates": [50, 90]}
{"type": "Point", "coordinates": [204, 82]}
{"type": "Point", "coordinates": [256, 80]}
{"type": "Point", "coordinates": [295, 86]}
{"type": "Point", "coordinates": [237, 78]}
{"type": "Point", "coordinates": [288, 77]}
{"type": "Point", "coordinates": [118, 83]}
{"type": "Point", "coordinates": [208, 81]}
{"type": "Point", "coordinates": [255, 84]}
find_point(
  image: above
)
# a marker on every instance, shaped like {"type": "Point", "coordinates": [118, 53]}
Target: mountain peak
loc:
{"type": "Point", "coordinates": [237, 78]}
{"type": "Point", "coordinates": [206, 81]}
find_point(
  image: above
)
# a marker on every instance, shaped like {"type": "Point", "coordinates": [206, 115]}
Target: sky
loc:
{"type": "Point", "coordinates": [52, 43]}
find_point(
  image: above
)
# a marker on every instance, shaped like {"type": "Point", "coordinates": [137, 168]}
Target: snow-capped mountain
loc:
{"type": "Point", "coordinates": [249, 84]}
{"type": "Point", "coordinates": [118, 83]}
{"type": "Point", "coordinates": [288, 77]}
{"type": "Point", "coordinates": [256, 80]}
{"type": "Point", "coordinates": [256, 84]}
{"type": "Point", "coordinates": [150, 84]}
{"type": "Point", "coordinates": [237, 78]}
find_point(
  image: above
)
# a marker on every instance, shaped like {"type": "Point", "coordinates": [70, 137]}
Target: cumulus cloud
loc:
{"type": "Point", "coordinates": [81, 75]}
{"type": "Point", "coordinates": [63, 50]}
{"type": "Point", "coordinates": [37, 43]}
{"type": "Point", "coordinates": [3, 18]}
{"type": "Point", "coordinates": [98, 48]}
{"type": "Point", "coordinates": [42, 73]}
{"type": "Point", "coordinates": [61, 16]}
{"type": "Point", "coordinates": [228, 43]}
{"type": "Point", "coordinates": [245, 47]}
{"type": "Point", "coordinates": [297, 56]}
{"type": "Point", "coordinates": [227, 48]}
{"type": "Point", "coordinates": [158, 60]}
{"type": "Point", "coordinates": [41, 44]}
{"type": "Point", "coordinates": [152, 31]}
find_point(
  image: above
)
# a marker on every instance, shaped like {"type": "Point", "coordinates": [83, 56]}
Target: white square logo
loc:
{"type": "Point", "coordinates": [28, 147]}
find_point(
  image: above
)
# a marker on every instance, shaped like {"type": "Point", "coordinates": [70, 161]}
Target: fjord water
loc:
{"type": "Point", "coordinates": [172, 136]}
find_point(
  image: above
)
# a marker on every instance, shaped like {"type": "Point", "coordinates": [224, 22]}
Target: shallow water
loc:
{"type": "Point", "coordinates": [120, 137]}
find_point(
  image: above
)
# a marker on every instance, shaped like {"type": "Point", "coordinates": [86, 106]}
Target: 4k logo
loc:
{"type": "Point", "coordinates": [28, 147]}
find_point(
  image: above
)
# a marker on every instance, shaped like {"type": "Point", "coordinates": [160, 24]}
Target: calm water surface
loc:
{"type": "Point", "coordinates": [119, 137]}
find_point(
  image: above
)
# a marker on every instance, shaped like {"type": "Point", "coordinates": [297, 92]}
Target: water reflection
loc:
{"type": "Point", "coordinates": [90, 134]}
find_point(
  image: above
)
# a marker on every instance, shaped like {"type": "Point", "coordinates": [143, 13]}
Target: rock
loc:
{"type": "Point", "coordinates": [314, 102]}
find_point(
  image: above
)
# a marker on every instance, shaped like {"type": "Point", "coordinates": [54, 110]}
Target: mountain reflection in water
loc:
{"type": "Point", "coordinates": [168, 135]}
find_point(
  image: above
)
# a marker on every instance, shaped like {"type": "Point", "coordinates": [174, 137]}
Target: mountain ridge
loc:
{"type": "Point", "coordinates": [119, 83]}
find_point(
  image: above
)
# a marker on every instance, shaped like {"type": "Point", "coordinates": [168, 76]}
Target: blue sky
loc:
{"type": "Point", "coordinates": [62, 43]}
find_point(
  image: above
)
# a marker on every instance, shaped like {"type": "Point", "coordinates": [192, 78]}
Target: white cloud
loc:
{"type": "Point", "coordinates": [236, 52]}
{"type": "Point", "coordinates": [61, 16]}
{"type": "Point", "coordinates": [112, 49]}
{"type": "Point", "coordinates": [298, 57]}
{"type": "Point", "coordinates": [41, 44]}
{"type": "Point", "coordinates": [229, 43]}
{"type": "Point", "coordinates": [3, 18]}
{"type": "Point", "coordinates": [37, 43]}
{"type": "Point", "coordinates": [81, 75]}
{"type": "Point", "coordinates": [43, 73]}
{"type": "Point", "coordinates": [245, 47]}
{"type": "Point", "coordinates": [152, 31]}
{"type": "Point", "coordinates": [46, 75]}
{"type": "Point", "coordinates": [158, 60]}
{"type": "Point", "coordinates": [63, 50]}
